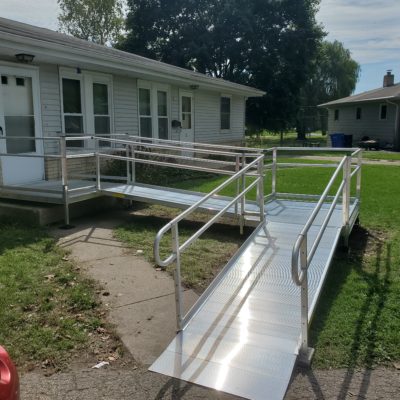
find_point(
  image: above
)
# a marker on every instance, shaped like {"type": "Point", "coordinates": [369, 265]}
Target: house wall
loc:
{"type": "Point", "coordinates": [125, 116]}
{"type": "Point", "coordinates": [369, 124]}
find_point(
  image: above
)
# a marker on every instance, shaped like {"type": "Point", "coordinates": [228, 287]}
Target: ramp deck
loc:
{"type": "Point", "coordinates": [245, 337]}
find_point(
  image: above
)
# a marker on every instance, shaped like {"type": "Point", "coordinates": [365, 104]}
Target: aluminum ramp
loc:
{"type": "Point", "coordinates": [170, 197]}
{"type": "Point", "coordinates": [245, 336]}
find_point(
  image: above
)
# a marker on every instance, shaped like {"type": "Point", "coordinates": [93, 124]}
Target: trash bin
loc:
{"type": "Point", "coordinates": [337, 139]}
{"type": "Point", "coordinates": [348, 141]}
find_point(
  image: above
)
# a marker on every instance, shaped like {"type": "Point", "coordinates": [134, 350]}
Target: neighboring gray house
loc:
{"type": "Point", "coordinates": [76, 87]}
{"type": "Point", "coordinates": [374, 114]}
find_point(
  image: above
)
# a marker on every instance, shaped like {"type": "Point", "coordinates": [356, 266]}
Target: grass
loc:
{"type": "Point", "coordinates": [201, 261]}
{"type": "Point", "coordinates": [48, 310]}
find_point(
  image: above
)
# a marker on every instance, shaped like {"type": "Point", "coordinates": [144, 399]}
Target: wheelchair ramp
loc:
{"type": "Point", "coordinates": [244, 335]}
{"type": "Point", "coordinates": [170, 197]}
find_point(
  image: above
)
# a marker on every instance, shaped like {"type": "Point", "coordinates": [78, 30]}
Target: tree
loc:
{"type": "Point", "coordinates": [266, 44]}
{"type": "Point", "coordinates": [334, 75]}
{"type": "Point", "coordinates": [99, 21]}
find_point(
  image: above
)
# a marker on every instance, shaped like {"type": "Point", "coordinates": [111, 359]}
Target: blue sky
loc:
{"type": "Point", "coordinates": [369, 28]}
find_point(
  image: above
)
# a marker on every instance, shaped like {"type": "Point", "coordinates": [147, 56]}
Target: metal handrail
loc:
{"type": "Point", "coordinates": [300, 249]}
{"type": "Point", "coordinates": [196, 205]}
{"type": "Point", "coordinates": [172, 226]}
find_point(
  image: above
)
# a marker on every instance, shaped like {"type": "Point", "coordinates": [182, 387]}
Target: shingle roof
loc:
{"type": "Point", "coordinates": [43, 37]}
{"type": "Point", "coordinates": [384, 93]}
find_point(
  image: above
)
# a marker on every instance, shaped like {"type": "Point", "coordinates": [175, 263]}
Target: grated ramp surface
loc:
{"type": "Point", "coordinates": [244, 339]}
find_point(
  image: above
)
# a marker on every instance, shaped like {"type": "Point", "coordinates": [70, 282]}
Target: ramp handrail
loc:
{"type": "Point", "coordinates": [172, 226]}
{"type": "Point", "coordinates": [300, 248]}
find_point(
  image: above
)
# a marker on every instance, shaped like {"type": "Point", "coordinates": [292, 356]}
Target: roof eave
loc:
{"type": "Point", "coordinates": [333, 104]}
{"type": "Point", "coordinates": [160, 70]}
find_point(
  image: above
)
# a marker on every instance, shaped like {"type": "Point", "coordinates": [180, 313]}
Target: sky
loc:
{"type": "Point", "coordinates": [370, 29]}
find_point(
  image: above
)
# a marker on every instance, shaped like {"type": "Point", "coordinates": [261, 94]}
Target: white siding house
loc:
{"type": "Point", "coordinates": [75, 87]}
{"type": "Point", "coordinates": [374, 114]}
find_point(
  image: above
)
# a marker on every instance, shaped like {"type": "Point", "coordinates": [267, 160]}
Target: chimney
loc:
{"type": "Point", "coordinates": [388, 79]}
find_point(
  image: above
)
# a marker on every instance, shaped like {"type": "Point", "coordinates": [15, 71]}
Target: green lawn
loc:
{"type": "Point", "coordinates": [48, 311]}
{"type": "Point", "coordinates": [201, 261]}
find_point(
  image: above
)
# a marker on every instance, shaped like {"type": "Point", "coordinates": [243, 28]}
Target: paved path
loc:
{"type": "Point", "coordinates": [141, 305]}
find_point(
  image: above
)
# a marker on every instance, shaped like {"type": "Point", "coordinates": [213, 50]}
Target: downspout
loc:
{"type": "Point", "coordinates": [396, 143]}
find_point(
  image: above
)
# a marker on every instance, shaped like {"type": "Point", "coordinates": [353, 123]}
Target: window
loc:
{"type": "Point", "coordinates": [72, 108]}
{"type": "Point", "coordinates": [86, 105]}
{"type": "Point", "coordinates": [186, 112]}
{"type": "Point", "coordinates": [383, 112]}
{"type": "Point", "coordinates": [153, 110]}
{"type": "Point", "coordinates": [225, 113]}
{"type": "Point", "coordinates": [4, 80]}
{"type": "Point", "coordinates": [101, 111]}
{"type": "Point", "coordinates": [336, 115]}
{"type": "Point", "coordinates": [162, 114]}
{"type": "Point", "coordinates": [20, 81]}
{"type": "Point", "coordinates": [358, 113]}
{"type": "Point", "coordinates": [145, 112]}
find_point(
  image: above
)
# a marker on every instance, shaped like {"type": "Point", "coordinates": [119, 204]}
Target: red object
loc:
{"type": "Point", "coordinates": [9, 380]}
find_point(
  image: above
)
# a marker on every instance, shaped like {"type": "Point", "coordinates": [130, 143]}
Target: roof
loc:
{"type": "Point", "coordinates": [41, 38]}
{"type": "Point", "coordinates": [383, 93]}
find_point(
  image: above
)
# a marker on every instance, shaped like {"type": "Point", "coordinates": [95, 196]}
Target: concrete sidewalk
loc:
{"type": "Point", "coordinates": [140, 299]}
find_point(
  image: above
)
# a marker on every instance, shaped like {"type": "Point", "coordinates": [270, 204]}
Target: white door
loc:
{"type": "Point", "coordinates": [20, 117]}
{"type": "Point", "coordinates": [187, 116]}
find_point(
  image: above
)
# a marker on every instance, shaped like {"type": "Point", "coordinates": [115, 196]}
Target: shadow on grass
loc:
{"type": "Point", "coordinates": [16, 234]}
{"type": "Point", "coordinates": [363, 343]}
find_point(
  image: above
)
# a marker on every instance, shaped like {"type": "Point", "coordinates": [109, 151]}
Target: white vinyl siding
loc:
{"type": "Point", "coordinates": [125, 105]}
{"type": "Point", "coordinates": [370, 124]}
{"type": "Point", "coordinates": [51, 105]}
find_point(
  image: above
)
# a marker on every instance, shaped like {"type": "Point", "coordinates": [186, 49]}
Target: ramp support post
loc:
{"type": "Point", "coordinates": [346, 199]}
{"type": "Point", "coordinates": [274, 168]}
{"type": "Point", "coordinates": [177, 276]}
{"type": "Point", "coordinates": [237, 168]}
{"type": "Point", "coordinates": [243, 198]}
{"type": "Point", "coordinates": [260, 188]}
{"type": "Point", "coordinates": [64, 180]}
{"type": "Point", "coordinates": [98, 169]}
{"type": "Point", "coordinates": [306, 353]}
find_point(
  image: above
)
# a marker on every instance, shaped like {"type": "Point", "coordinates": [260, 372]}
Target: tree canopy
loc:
{"type": "Point", "coordinates": [267, 44]}
{"type": "Point", "coordinates": [99, 21]}
{"type": "Point", "coordinates": [334, 75]}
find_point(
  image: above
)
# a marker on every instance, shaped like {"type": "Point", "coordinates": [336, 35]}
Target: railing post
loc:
{"type": "Point", "coordinates": [243, 198]}
{"type": "Point", "coordinates": [274, 168]}
{"type": "Point", "coordinates": [98, 168]}
{"type": "Point", "coordinates": [128, 165]}
{"type": "Point", "coordinates": [64, 178]}
{"type": "Point", "coordinates": [346, 198]}
{"type": "Point", "coordinates": [177, 276]}
{"type": "Point", "coordinates": [133, 164]}
{"type": "Point", "coordinates": [358, 184]}
{"type": "Point", "coordinates": [260, 187]}
{"type": "Point", "coordinates": [237, 168]}
{"type": "Point", "coordinates": [306, 352]}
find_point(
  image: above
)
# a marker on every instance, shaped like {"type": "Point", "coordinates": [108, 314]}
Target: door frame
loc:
{"type": "Point", "coordinates": [187, 93]}
{"type": "Point", "coordinates": [29, 71]}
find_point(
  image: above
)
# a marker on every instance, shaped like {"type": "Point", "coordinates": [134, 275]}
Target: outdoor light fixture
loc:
{"type": "Point", "coordinates": [24, 58]}
{"type": "Point", "coordinates": [194, 87]}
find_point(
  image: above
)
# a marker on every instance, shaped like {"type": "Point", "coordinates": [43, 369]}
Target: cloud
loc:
{"type": "Point", "coordinates": [369, 28]}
